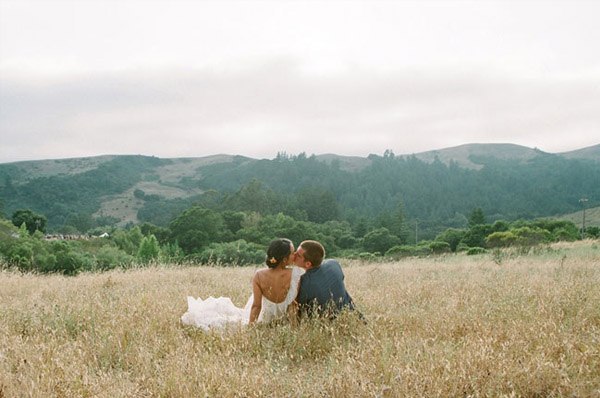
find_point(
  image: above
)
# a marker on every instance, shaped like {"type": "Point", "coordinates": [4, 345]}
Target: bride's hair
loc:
{"type": "Point", "coordinates": [277, 251]}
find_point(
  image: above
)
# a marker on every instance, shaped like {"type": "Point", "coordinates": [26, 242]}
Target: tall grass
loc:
{"type": "Point", "coordinates": [488, 325]}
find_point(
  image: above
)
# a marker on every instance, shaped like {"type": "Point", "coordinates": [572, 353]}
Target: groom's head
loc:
{"type": "Point", "coordinates": [310, 254]}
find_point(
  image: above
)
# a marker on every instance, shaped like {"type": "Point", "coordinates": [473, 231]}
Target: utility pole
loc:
{"type": "Point", "coordinates": [582, 201]}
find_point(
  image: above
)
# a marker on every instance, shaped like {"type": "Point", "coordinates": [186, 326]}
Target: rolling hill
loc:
{"type": "Point", "coordinates": [438, 186]}
{"type": "Point", "coordinates": [471, 155]}
{"type": "Point", "coordinates": [591, 152]}
{"type": "Point", "coordinates": [592, 217]}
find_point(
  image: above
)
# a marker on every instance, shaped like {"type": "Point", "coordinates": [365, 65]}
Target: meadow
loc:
{"type": "Point", "coordinates": [496, 324]}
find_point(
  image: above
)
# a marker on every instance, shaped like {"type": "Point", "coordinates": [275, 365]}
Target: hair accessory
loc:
{"type": "Point", "coordinates": [272, 260]}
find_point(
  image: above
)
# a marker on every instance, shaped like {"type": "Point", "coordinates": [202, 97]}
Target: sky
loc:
{"type": "Point", "coordinates": [254, 78]}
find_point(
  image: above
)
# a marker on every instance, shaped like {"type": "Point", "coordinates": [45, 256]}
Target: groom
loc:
{"type": "Point", "coordinates": [322, 291]}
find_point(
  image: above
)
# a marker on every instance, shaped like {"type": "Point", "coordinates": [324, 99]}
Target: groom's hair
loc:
{"type": "Point", "coordinates": [313, 252]}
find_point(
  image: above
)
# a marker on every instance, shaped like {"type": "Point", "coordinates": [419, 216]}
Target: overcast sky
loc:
{"type": "Point", "coordinates": [197, 78]}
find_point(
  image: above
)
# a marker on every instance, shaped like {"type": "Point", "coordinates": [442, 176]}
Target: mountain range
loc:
{"type": "Point", "coordinates": [124, 187]}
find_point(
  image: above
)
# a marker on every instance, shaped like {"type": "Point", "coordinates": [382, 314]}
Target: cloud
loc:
{"type": "Point", "coordinates": [281, 106]}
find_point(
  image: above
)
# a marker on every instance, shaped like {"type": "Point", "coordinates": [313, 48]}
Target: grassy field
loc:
{"type": "Point", "coordinates": [490, 325]}
{"type": "Point", "coordinates": [592, 217]}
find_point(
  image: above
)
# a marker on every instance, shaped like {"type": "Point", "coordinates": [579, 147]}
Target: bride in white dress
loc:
{"type": "Point", "coordinates": [273, 290]}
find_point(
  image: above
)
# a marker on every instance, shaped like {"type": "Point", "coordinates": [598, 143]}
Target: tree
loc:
{"type": "Point", "coordinates": [475, 236]}
{"type": "Point", "coordinates": [264, 229]}
{"type": "Point", "coordinates": [233, 220]}
{"type": "Point", "coordinates": [452, 236]}
{"type": "Point", "coordinates": [319, 204]}
{"type": "Point", "coordinates": [476, 217]}
{"type": "Point", "coordinates": [196, 228]}
{"type": "Point", "coordinates": [388, 154]}
{"type": "Point", "coordinates": [161, 234]}
{"type": "Point", "coordinates": [149, 249]}
{"type": "Point", "coordinates": [253, 197]}
{"type": "Point", "coordinates": [395, 222]}
{"type": "Point", "coordinates": [360, 227]}
{"type": "Point", "coordinates": [83, 222]}
{"type": "Point", "coordinates": [33, 222]}
{"type": "Point", "coordinates": [379, 240]}
{"type": "Point", "coordinates": [128, 241]}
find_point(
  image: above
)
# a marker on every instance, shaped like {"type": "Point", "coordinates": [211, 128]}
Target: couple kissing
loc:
{"type": "Point", "coordinates": [296, 284]}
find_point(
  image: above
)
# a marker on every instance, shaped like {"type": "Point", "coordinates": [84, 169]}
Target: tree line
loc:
{"type": "Point", "coordinates": [208, 236]}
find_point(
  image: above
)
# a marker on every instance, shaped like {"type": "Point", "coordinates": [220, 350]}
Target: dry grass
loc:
{"type": "Point", "coordinates": [592, 217]}
{"type": "Point", "coordinates": [485, 325]}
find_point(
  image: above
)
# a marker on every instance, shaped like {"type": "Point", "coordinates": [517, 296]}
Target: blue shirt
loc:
{"type": "Point", "coordinates": [322, 290]}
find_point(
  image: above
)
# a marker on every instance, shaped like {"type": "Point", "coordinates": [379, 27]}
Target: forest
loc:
{"type": "Point", "coordinates": [395, 206]}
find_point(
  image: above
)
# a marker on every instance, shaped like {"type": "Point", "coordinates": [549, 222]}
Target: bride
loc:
{"type": "Point", "coordinates": [273, 290]}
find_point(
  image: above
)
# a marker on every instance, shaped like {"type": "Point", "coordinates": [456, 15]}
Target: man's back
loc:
{"type": "Point", "coordinates": [322, 289]}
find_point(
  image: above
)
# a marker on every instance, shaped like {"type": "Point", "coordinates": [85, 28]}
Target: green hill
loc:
{"type": "Point", "coordinates": [438, 188]}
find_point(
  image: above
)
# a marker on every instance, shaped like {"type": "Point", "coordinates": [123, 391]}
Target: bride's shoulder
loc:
{"type": "Point", "coordinates": [259, 274]}
{"type": "Point", "coordinates": [297, 270]}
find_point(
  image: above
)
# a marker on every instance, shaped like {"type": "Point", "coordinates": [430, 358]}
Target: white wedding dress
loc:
{"type": "Point", "coordinates": [218, 313]}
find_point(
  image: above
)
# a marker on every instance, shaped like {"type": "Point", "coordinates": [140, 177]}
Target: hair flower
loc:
{"type": "Point", "coordinates": [272, 260]}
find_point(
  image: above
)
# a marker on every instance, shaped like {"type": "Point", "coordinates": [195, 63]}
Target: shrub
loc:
{"type": "Point", "coordinates": [452, 236]}
{"type": "Point", "coordinates": [422, 250]}
{"type": "Point", "coordinates": [346, 241]}
{"type": "Point", "coordinates": [476, 250]}
{"type": "Point", "coordinates": [171, 252]}
{"type": "Point", "coordinates": [400, 251]}
{"type": "Point", "coordinates": [68, 260]}
{"type": "Point", "coordinates": [438, 247]}
{"type": "Point", "coordinates": [500, 226]}
{"type": "Point", "coordinates": [563, 234]}
{"type": "Point", "coordinates": [45, 262]}
{"type": "Point", "coordinates": [109, 257]}
{"type": "Point", "coordinates": [239, 252]}
{"type": "Point", "coordinates": [379, 240]}
{"type": "Point", "coordinates": [461, 248]}
{"type": "Point", "coordinates": [593, 232]}
{"type": "Point", "coordinates": [21, 255]}
{"type": "Point", "coordinates": [348, 253]}
{"type": "Point", "coordinates": [527, 236]}
{"type": "Point", "coordinates": [366, 256]}
{"type": "Point", "coordinates": [501, 239]}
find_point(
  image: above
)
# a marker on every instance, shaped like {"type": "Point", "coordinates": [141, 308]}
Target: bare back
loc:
{"type": "Point", "coordinates": [274, 283]}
